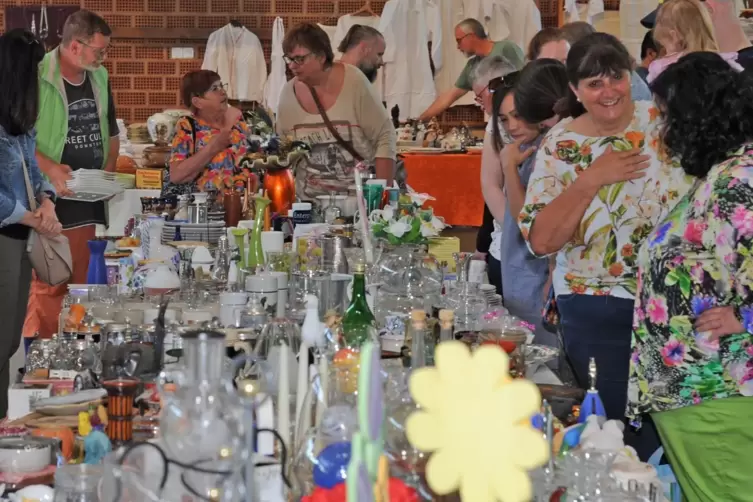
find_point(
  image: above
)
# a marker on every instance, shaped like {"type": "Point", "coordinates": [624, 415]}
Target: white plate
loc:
{"type": "Point", "coordinates": [83, 396]}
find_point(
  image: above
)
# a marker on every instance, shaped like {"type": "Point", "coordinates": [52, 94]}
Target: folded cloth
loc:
{"type": "Point", "coordinates": [659, 65]}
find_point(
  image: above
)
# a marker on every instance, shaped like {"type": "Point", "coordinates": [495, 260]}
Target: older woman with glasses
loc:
{"type": "Point", "coordinates": [208, 143]}
{"type": "Point", "coordinates": [332, 107]}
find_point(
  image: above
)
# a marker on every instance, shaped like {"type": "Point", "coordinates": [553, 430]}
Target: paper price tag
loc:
{"type": "Point", "coordinates": [62, 374]}
{"type": "Point", "coordinates": [268, 483]}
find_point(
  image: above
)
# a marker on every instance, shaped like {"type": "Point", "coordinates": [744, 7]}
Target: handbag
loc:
{"type": "Point", "coordinates": [400, 175]}
{"type": "Point", "coordinates": [50, 256]}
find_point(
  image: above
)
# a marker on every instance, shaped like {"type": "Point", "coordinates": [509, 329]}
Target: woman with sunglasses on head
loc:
{"type": "Point", "coordinates": [208, 143]}
{"type": "Point", "coordinates": [510, 152]}
{"type": "Point", "coordinates": [334, 108]}
{"type": "Point", "coordinates": [599, 186]}
{"type": "Point", "coordinates": [20, 55]}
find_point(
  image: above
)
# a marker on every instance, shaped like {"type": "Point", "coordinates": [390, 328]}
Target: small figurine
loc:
{"type": "Point", "coordinates": [96, 443]}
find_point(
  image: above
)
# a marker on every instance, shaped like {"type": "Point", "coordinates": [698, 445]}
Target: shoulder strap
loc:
{"type": "Point", "coordinates": [340, 141]}
{"type": "Point", "coordinates": [192, 123]}
{"type": "Point", "coordinates": [27, 180]}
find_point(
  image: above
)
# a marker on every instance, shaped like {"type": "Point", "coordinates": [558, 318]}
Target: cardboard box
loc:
{"type": "Point", "coordinates": [20, 396]}
{"type": "Point", "coordinates": [149, 179]}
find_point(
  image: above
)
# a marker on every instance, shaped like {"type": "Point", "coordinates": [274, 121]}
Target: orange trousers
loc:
{"type": "Point", "coordinates": [45, 301]}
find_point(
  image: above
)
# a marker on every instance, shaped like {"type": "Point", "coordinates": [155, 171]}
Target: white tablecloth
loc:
{"type": "Point", "coordinates": [122, 207]}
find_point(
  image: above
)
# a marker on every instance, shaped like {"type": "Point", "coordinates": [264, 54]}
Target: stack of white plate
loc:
{"type": "Point", "coordinates": [93, 185]}
{"type": "Point", "coordinates": [200, 232]}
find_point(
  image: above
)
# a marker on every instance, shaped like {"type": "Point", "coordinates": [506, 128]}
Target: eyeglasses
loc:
{"type": "Point", "coordinates": [459, 40]}
{"type": "Point", "coordinates": [98, 51]}
{"type": "Point", "coordinates": [298, 60]}
{"type": "Point", "coordinates": [218, 86]}
{"type": "Point", "coordinates": [480, 95]}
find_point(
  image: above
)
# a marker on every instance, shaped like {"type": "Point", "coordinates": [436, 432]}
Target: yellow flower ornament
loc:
{"type": "Point", "coordinates": [476, 422]}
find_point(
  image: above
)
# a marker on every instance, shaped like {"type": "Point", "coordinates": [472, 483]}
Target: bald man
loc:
{"type": "Point", "coordinates": [472, 41]}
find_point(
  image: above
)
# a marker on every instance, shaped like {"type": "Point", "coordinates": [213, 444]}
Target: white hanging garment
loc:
{"type": "Point", "coordinates": [277, 77]}
{"type": "Point", "coordinates": [571, 11]}
{"type": "Point", "coordinates": [330, 31]}
{"type": "Point", "coordinates": [235, 53]}
{"type": "Point", "coordinates": [490, 14]}
{"type": "Point", "coordinates": [523, 20]}
{"type": "Point", "coordinates": [453, 61]}
{"type": "Point", "coordinates": [595, 11]}
{"type": "Point", "coordinates": [409, 82]}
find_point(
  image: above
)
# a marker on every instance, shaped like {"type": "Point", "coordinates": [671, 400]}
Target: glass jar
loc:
{"type": "Point", "coordinates": [39, 357]}
{"type": "Point", "coordinates": [468, 304]}
{"type": "Point", "coordinates": [77, 483]}
{"type": "Point", "coordinates": [509, 334]}
{"type": "Point", "coordinates": [408, 278]}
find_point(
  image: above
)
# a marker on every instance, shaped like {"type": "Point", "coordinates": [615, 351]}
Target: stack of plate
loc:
{"type": "Point", "coordinates": [201, 232]}
{"type": "Point", "coordinates": [487, 291]}
{"type": "Point", "coordinates": [216, 216]}
{"type": "Point", "coordinates": [92, 185]}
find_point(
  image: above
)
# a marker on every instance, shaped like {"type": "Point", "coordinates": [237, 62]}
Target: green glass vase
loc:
{"type": "Point", "coordinates": [255, 251]}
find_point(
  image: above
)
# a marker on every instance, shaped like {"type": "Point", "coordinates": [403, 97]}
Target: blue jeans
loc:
{"type": "Point", "coordinates": [601, 327]}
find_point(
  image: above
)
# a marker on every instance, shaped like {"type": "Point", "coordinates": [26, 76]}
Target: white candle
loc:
{"type": "Point", "coordinates": [302, 385]}
{"type": "Point", "coordinates": [364, 215]}
{"type": "Point", "coordinates": [321, 404]}
{"type": "Point", "coordinates": [306, 413]}
{"type": "Point", "coordinates": [283, 397]}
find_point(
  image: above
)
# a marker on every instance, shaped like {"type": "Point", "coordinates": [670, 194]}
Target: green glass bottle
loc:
{"type": "Point", "coordinates": [359, 324]}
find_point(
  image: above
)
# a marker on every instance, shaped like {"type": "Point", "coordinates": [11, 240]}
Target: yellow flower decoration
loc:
{"type": "Point", "coordinates": [476, 421]}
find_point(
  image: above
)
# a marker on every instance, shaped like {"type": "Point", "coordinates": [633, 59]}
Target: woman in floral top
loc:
{"type": "Point", "coordinates": [598, 188]}
{"type": "Point", "coordinates": [692, 363]}
{"type": "Point", "coordinates": [208, 145]}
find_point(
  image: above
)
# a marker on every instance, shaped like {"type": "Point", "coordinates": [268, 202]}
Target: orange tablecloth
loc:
{"type": "Point", "coordinates": [454, 180]}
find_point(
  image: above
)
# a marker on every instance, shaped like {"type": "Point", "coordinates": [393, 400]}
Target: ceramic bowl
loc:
{"type": "Point", "coordinates": [25, 454]}
{"type": "Point", "coordinates": [39, 493]}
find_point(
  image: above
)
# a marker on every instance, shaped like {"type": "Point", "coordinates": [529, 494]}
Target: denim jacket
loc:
{"type": "Point", "coordinates": [14, 201]}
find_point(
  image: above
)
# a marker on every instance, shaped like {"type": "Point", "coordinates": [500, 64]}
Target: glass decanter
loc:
{"type": "Point", "coordinates": [202, 420]}
{"type": "Point", "coordinates": [332, 212]}
{"type": "Point", "coordinates": [408, 278]}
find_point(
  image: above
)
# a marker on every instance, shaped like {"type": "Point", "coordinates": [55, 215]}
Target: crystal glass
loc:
{"type": "Point", "coordinates": [77, 483]}
{"type": "Point", "coordinates": [468, 304]}
{"type": "Point", "coordinates": [409, 278]}
{"type": "Point", "coordinates": [276, 336]}
{"type": "Point", "coordinates": [39, 357]}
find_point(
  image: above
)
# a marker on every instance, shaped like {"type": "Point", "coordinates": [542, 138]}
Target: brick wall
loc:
{"type": "Point", "coordinates": [145, 80]}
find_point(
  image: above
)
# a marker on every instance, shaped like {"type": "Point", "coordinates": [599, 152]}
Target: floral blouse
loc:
{"type": "Point", "coordinates": [223, 171]}
{"type": "Point", "coordinates": [700, 256]}
{"type": "Point", "coordinates": [601, 257]}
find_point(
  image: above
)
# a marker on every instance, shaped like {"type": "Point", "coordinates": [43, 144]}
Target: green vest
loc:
{"type": "Point", "coordinates": [52, 123]}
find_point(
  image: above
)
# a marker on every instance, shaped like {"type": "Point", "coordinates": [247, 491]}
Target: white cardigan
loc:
{"type": "Point", "coordinates": [236, 55]}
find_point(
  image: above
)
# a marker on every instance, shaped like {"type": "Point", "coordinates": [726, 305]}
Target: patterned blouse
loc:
{"type": "Point", "coordinates": [700, 256]}
{"type": "Point", "coordinates": [601, 257]}
{"type": "Point", "coordinates": [222, 172]}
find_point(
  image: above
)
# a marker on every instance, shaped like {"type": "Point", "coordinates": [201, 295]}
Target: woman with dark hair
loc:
{"type": "Point", "coordinates": [20, 55]}
{"type": "Point", "coordinates": [334, 108]}
{"type": "Point", "coordinates": [525, 112]}
{"type": "Point", "coordinates": [524, 279]}
{"type": "Point", "coordinates": [692, 361]}
{"type": "Point", "coordinates": [208, 143]}
{"type": "Point", "coordinates": [598, 188]}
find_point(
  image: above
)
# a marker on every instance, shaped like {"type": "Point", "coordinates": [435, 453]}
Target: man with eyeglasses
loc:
{"type": "Point", "coordinates": [76, 129]}
{"type": "Point", "coordinates": [472, 41]}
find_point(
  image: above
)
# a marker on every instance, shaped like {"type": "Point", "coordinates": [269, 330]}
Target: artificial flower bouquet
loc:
{"type": "Point", "coordinates": [408, 223]}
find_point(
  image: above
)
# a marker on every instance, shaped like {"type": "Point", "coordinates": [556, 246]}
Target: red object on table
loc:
{"type": "Point", "coordinates": [454, 180]}
{"type": "Point", "coordinates": [399, 492]}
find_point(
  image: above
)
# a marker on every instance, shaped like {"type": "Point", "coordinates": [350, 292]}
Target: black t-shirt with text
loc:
{"type": "Point", "coordinates": [83, 150]}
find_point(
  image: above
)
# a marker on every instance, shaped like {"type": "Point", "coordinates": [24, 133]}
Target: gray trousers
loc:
{"type": "Point", "coordinates": [15, 281]}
